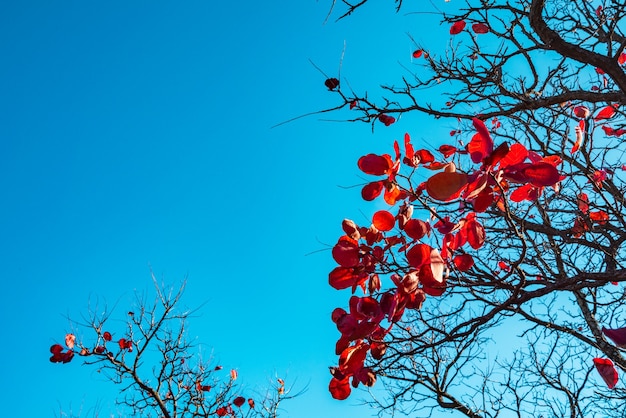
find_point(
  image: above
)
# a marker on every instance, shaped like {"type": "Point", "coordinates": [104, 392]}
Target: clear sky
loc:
{"type": "Point", "coordinates": [136, 135]}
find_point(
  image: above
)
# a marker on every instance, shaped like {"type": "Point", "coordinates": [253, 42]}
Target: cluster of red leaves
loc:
{"type": "Point", "coordinates": [364, 252]}
{"type": "Point", "coordinates": [478, 28]}
{"type": "Point", "coordinates": [60, 356]}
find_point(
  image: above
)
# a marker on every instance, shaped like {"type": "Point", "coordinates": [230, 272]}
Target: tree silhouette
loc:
{"type": "Point", "coordinates": [159, 371]}
{"type": "Point", "coordinates": [494, 283]}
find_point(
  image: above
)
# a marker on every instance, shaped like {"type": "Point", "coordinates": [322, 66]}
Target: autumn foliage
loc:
{"type": "Point", "coordinates": [176, 385]}
{"type": "Point", "coordinates": [517, 217]}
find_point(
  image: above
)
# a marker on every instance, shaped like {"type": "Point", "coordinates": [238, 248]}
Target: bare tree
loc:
{"type": "Point", "coordinates": [496, 288]}
{"type": "Point", "coordinates": [159, 371]}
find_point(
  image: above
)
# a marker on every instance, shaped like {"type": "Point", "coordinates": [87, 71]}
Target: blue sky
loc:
{"type": "Point", "coordinates": [136, 136]}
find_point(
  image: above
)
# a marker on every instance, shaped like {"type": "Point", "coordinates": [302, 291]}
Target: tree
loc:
{"type": "Point", "coordinates": [154, 364]}
{"type": "Point", "coordinates": [494, 283]}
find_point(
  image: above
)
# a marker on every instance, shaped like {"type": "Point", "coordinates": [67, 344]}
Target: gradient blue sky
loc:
{"type": "Point", "coordinates": [136, 135]}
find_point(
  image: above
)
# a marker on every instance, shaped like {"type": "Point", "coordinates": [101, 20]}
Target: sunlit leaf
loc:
{"type": "Point", "coordinates": [383, 220]}
{"type": "Point", "coordinates": [419, 255]}
{"type": "Point", "coordinates": [346, 252]}
{"type": "Point", "coordinates": [417, 53]}
{"type": "Point", "coordinates": [340, 389]}
{"type": "Point", "coordinates": [606, 113]}
{"type": "Point", "coordinates": [70, 340]}
{"type": "Point", "coordinates": [607, 371]}
{"type": "Point", "coordinates": [446, 186]}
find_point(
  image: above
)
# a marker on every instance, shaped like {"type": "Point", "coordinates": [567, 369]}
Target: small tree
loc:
{"type": "Point", "coordinates": [494, 283]}
{"type": "Point", "coordinates": [156, 367]}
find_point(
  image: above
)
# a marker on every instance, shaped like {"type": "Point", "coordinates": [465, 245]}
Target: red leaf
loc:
{"type": "Point", "coordinates": [239, 401]}
{"type": "Point", "coordinates": [107, 336]}
{"type": "Point", "coordinates": [463, 262]}
{"type": "Point", "coordinates": [617, 335]}
{"type": "Point", "coordinates": [372, 190]}
{"type": "Point", "coordinates": [417, 53]}
{"type": "Point", "coordinates": [447, 150]}
{"type": "Point", "coordinates": [346, 252]}
{"type": "Point", "coordinates": [376, 165]}
{"type": "Point", "coordinates": [600, 217]}
{"type": "Point", "coordinates": [503, 266]}
{"type": "Point", "coordinates": [70, 339]}
{"type": "Point", "coordinates": [222, 411]}
{"type": "Point", "coordinates": [622, 59]}
{"type": "Point", "coordinates": [480, 28]}
{"type": "Point", "coordinates": [457, 27]}
{"type": "Point", "coordinates": [607, 371]}
{"type": "Point", "coordinates": [343, 278]}
{"type": "Point", "coordinates": [446, 186]}
{"type": "Point", "coordinates": [516, 155]}
{"type": "Point", "coordinates": [56, 349]}
{"type": "Point", "coordinates": [332, 83]}
{"type": "Point", "coordinates": [383, 220]}
{"type": "Point", "coordinates": [419, 255]}
{"type": "Point", "coordinates": [481, 144]}
{"type": "Point", "coordinates": [582, 112]}
{"type": "Point", "coordinates": [606, 113]}
{"type": "Point", "coordinates": [541, 174]}
{"type": "Point", "coordinates": [525, 192]}
{"type": "Point", "coordinates": [340, 389]}
{"type": "Point", "coordinates": [386, 119]}
{"type": "Point", "coordinates": [416, 228]}
{"type": "Point", "coordinates": [583, 202]}
{"type": "Point", "coordinates": [251, 403]}
{"type": "Point", "coordinates": [475, 233]}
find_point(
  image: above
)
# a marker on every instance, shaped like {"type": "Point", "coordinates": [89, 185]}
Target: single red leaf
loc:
{"type": "Point", "coordinates": [600, 217]}
{"type": "Point", "coordinates": [346, 252]}
{"type": "Point", "coordinates": [607, 371]}
{"type": "Point", "coordinates": [582, 112]}
{"type": "Point", "coordinates": [56, 348]}
{"type": "Point", "coordinates": [419, 255]}
{"type": "Point", "coordinates": [481, 144]}
{"type": "Point", "coordinates": [417, 53]}
{"type": "Point", "coordinates": [332, 83]}
{"type": "Point", "coordinates": [416, 228]}
{"type": "Point", "coordinates": [463, 262]}
{"type": "Point", "coordinates": [525, 192]}
{"type": "Point", "coordinates": [457, 27]}
{"type": "Point", "coordinates": [107, 336]}
{"type": "Point", "coordinates": [251, 403]}
{"type": "Point", "coordinates": [374, 164]}
{"type": "Point", "coordinates": [447, 150]}
{"type": "Point", "coordinates": [342, 278]}
{"type": "Point", "coordinates": [372, 190]}
{"type": "Point", "coordinates": [70, 340]}
{"type": "Point", "coordinates": [383, 220]}
{"type": "Point", "coordinates": [222, 411]}
{"type": "Point", "coordinates": [617, 335]}
{"type": "Point", "coordinates": [480, 28]}
{"type": "Point", "coordinates": [340, 389]}
{"type": "Point", "coordinates": [622, 59]}
{"type": "Point", "coordinates": [583, 202]}
{"type": "Point", "coordinates": [475, 233]}
{"type": "Point", "coordinates": [446, 186]}
{"type": "Point", "coordinates": [541, 174]}
{"type": "Point", "coordinates": [386, 119]}
{"type": "Point", "coordinates": [606, 113]}
{"type": "Point", "coordinates": [239, 401]}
